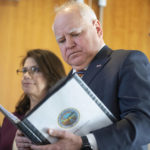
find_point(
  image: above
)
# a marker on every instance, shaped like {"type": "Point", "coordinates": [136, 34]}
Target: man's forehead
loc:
{"type": "Point", "coordinates": [66, 17]}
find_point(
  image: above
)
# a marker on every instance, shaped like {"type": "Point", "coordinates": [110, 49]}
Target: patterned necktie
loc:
{"type": "Point", "coordinates": [81, 73]}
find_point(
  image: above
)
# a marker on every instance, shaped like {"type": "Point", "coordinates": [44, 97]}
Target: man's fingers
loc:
{"type": "Point", "coordinates": [57, 133]}
{"type": "Point", "coordinates": [23, 139]}
{"type": "Point", "coordinates": [19, 133]}
{"type": "Point", "coordinates": [23, 145]}
{"type": "Point", "coordinates": [22, 142]}
{"type": "Point", "coordinates": [43, 147]}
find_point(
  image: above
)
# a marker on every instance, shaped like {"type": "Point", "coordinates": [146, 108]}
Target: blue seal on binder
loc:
{"type": "Point", "coordinates": [68, 118]}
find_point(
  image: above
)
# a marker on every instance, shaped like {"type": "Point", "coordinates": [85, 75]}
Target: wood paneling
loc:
{"type": "Point", "coordinates": [127, 24]}
{"type": "Point", "coordinates": [26, 24]}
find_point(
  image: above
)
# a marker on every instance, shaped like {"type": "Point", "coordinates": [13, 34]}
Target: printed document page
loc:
{"type": "Point", "coordinates": [70, 108]}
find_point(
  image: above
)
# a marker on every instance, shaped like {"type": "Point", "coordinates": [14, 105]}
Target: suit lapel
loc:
{"type": "Point", "coordinates": [97, 64]}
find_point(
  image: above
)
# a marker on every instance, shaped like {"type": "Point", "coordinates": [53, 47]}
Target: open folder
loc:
{"type": "Point", "coordinates": [70, 105]}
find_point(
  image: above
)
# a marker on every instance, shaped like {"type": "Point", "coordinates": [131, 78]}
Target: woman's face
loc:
{"type": "Point", "coordinates": [34, 83]}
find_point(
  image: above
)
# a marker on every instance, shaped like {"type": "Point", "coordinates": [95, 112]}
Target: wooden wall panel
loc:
{"type": "Point", "coordinates": [26, 24]}
{"type": "Point", "coordinates": [127, 24]}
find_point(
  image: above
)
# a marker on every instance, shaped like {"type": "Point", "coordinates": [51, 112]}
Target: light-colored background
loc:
{"type": "Point", "coordinates": [26, 24]}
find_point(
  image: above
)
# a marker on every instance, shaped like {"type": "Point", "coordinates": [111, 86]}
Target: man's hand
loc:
{"type": "Point", "coordinates": [22, 142]}
{"type": "Point", "coordinates": [66, 141]}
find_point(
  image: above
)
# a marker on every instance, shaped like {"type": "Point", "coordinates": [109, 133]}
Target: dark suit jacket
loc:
{"type": "Point", "coordinates": [121, 79]}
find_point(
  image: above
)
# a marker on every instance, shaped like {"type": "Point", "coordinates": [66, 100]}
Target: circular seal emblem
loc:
{"type": "Point", "coordinates": [68, 118]}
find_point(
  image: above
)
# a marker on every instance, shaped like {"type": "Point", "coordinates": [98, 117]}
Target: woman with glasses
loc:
{"type": "Point", "coordinates": [40, 70]}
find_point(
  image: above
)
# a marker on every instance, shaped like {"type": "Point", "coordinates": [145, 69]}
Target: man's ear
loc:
{"type": "Point", "coordinates": [98, 27]}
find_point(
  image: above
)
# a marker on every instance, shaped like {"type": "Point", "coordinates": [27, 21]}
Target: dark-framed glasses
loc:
{"type": "Point", "coordinates": [32, 70]}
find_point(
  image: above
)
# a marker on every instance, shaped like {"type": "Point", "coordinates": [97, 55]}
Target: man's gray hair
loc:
{"type": "Point", "coordinates": [85, 11]}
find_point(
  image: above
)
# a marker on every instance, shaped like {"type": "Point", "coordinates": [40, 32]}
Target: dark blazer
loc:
{"type": "Point", "coordinates": [121, 79]}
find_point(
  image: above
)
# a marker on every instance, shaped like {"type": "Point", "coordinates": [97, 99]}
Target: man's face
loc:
{"type": "Point", "coordinates": [77, 38]}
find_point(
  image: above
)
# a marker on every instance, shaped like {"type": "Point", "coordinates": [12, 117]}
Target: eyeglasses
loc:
{"type": "Point", "coordinates": [32, 70]}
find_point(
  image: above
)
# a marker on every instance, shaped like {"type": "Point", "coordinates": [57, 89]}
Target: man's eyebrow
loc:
{"type": "Point", "coordinates": [71, 31]}
{"type": "Point", "coordinates": [75, 30]}
{"type": "Point", "coordinates": [59, 37]}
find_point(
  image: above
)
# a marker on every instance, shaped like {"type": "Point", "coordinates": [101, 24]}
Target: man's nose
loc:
{"type": "Point", "coordinates": [70, 42]}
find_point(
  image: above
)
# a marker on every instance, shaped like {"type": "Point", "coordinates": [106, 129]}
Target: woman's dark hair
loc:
{"type": "Point", "coordinates": [52, 69]}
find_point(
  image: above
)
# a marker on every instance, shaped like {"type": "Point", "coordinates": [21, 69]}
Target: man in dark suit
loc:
{"type": "Point", "coordinates": [121, 79]}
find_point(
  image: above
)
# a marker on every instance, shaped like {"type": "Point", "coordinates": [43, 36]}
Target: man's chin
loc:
{"type": "Point", "coordinates": [76, 65]}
